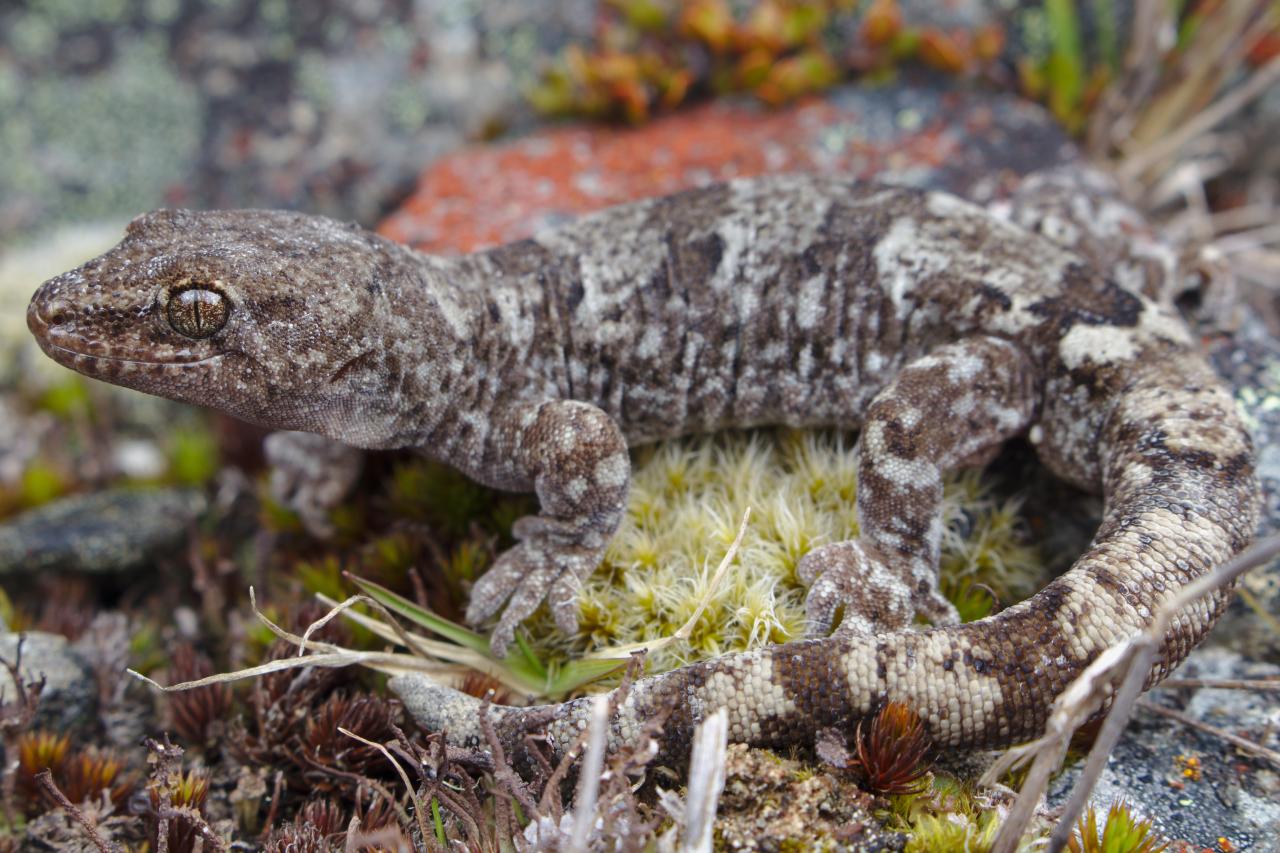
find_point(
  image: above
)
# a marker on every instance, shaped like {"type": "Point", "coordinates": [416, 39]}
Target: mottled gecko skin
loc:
{"type": "Point", "coordinates": [937, 328]}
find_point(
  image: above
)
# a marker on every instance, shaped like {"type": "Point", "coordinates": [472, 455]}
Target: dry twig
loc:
{"type": "Point", "coordinates": [419, 811]}
{"type": "Point", "coordinates": [15, 718]}
{"type": "Point", "coordinates": [45, 780]}
{"type": "Point", "coordinates": [1235, 740]}
{"type": "Point", "coordinates": [1221, 683]}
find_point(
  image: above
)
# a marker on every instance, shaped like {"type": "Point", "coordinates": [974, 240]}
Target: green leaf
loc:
{"type": "Point", "coordinates": [40, 484]}
{"type": "Point", "coordinates": [193, 456]}
{"type": "Point", "coordinates": [422, 617]}
{"type": "Point", "coordinates": [575, 674]}
{"type": "Point", "coordinates": [68, 399]}
{"type": "Point", "coordinates": [522, 663]}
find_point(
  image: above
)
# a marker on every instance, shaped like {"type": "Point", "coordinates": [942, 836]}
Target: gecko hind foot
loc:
{"type": "Point", "coordinates": [311, 475]}
{"type": "Point", "coordinates": [849, 577]}
{"type": "Point", "coordinates": [852, 577]}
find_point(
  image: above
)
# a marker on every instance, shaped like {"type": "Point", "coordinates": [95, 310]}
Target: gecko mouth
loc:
{"type": "Point", "coordinates": [45, 320]}
{"type": "Point", "coordinates": [67, 356]}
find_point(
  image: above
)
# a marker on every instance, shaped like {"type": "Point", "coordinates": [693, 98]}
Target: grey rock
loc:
{"type": "Point", "coordinates": [1236, 797]}
{"type": "Point", "coordinates": [328, 106]}
{"type": "Point", "coordinates": [1250, 360]}
{"type": "Point", "coordinates": [69, 700]}
{"type": "Point", "coordinates": [99, 533]}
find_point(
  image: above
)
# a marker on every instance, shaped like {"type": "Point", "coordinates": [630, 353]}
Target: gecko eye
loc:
{"type": "Point", "coordinates": [197, 313]}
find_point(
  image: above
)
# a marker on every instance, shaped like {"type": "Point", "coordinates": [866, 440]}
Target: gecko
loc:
{"type": "Point", "coordinates": [936, 328]}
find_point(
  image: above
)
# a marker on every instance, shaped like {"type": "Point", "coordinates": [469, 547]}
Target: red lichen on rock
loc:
{"type": "Point", "coordinates": [485, 196]}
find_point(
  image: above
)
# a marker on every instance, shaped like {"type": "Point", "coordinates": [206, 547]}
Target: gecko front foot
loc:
{"type": "Point", "coordinates": [575, 457]}
{"type": "Point", "coordinates": [536, 568]}
{"type": "Point", "coordinates": [311, 474]}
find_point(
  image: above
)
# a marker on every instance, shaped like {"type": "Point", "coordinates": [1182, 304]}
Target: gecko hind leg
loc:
{"type": "Point", "coordinates": [951, 407]}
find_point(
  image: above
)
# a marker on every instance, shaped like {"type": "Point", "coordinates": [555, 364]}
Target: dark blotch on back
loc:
{"type": "Point", "coordinates": [1090, 300]}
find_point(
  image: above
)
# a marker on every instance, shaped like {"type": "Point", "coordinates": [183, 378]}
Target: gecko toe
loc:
{"type": "Point", "coordinates": [563, 597]}
{"type": "Point", "coordinates": [935, 607]}
{"type": "Point", "coordinates": [493, 588]}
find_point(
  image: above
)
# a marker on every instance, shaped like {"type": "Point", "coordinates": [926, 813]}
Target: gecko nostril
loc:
{"type": "Point", "coordinates": [46, 315]}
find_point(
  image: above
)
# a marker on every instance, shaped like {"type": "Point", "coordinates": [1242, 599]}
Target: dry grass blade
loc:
{"type": "Point", "coordinates": [706, 782]}
{"type": "Point", "coordinates": [1221, 683]}
{"type": "Point", "coordinates": [384, 661]}
{"type": "Point", "coordinates": [584, 804]}
{"type": "Point", "coordinates": [323, 655]}
{"type": "Point", "coordinates": [1167, 145]}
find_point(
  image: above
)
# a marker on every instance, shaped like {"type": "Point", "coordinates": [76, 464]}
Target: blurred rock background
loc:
{"type": "Point", "coordinates": [439, 121]}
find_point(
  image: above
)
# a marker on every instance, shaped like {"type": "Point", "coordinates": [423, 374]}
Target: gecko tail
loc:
{"type": "Point", "coordinates": [443, 709]}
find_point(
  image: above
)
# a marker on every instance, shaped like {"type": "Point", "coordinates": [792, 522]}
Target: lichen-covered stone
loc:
{"type": "Point", "coordinates": [98, 533]}
{"type": "Point", "coordinates": [69, 699]}
{"type": "Point", "coordinates": [917, 133]}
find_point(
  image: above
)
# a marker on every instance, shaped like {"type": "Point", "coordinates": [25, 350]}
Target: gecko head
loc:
{"type": "Point", "coordinates": [267, 315]}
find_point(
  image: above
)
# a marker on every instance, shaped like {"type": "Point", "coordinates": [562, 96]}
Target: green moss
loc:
{"type": "Point", "coordinates": [41, 483]}
{"type": "Point", "coordinates": [147, 650]}
{"type": "Point", "coordinates": [441, 497]}
{"type": "Point", "coordinates": [193, 456]}
{"type": "Point", "coordinates": [1122, 833]}
{"type": "Point", "coordinates": [687, 500]}
{"type": "Point", "coordinates": [953, 834]}
{"type": "Point", "coordinates": [6, 609]}
{"type": "Point", "coordinates": [277, 517]}
{"type": "Point", "coordinates": [323, 576]}
{"type": "Point", "coordinates": [67, 398]}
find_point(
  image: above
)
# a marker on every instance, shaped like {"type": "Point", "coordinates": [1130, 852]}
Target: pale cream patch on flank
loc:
{"type": "Point", "coordinates": [576, 488]}
{"type": "Point", "coordinates": [519, 325]}
{"type": "Point", "coordinates": [809, 301]}
{"type": "Point", "coordinates": [963, 367]}
{"type": "Point", "coordinates": [946, 205]}
{"type": "Point", "coordinates": [905, 256]}
{"type": "Point", "coordinates": [1060, 230]}
{"type": "Point", "coordinates": [650, 344]}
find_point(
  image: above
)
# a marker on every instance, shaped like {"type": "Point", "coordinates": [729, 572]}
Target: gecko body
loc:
{"type": "Point", "coordinates": [937, 329]}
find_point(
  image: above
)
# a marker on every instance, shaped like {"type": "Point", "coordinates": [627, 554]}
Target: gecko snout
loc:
{"type": "Point", "coordinates": [44, 312]}
{"type": "Point", "coordinates": [50, 315]}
